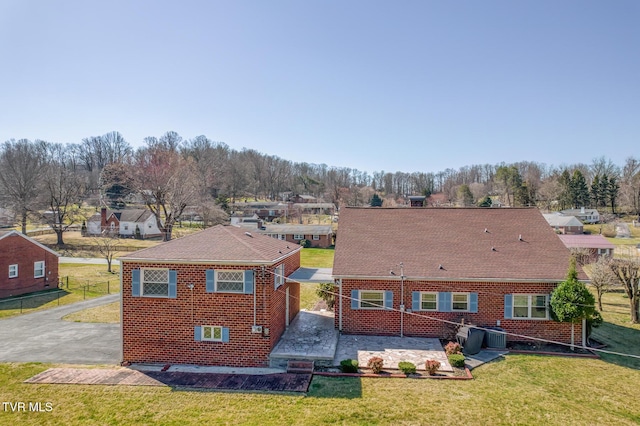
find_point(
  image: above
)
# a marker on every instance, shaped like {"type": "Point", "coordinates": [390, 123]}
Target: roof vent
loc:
{"type": "Point", "coordinates": [440, 266]}
{"type": "Point", "coordinates": [493, 249]}
{"type": "Point", "coordinates": [486, 230]}
{"type": "Point", "coordinates": [520, 237]}
{"type": "Point", "coordinates": [248, 234]}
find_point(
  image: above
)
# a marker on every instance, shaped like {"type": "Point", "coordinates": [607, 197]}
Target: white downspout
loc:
{"type": "Point", "coordinates": [340, 304]}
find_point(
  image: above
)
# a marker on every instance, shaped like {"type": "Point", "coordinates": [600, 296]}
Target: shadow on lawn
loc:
{"type": "Point", "coordinates": [621, 339]}
{"type": "Point", "coordinates": [32, 301]}
{"type": "Point", "coordinates": [335, 387]}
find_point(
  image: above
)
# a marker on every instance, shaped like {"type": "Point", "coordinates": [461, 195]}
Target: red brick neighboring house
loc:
{"type": "Point", "coordinates": [490, 267]}
{"type": "Point", "coordinates": [218, 297]}
{"type": "Point", "coordinates": [597, 245]}
{"type": "Point", "coordinates": [318, 235]}
{"type": "Point", "coordinates": [25, 265]}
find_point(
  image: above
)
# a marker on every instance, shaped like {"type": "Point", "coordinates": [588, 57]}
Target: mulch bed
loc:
{"type": "Point", "coordinates": [548, 349]}
{"type": "Point", "coordinates": [457, 374]}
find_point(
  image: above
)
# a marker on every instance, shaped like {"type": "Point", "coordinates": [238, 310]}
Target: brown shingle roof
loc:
{"type": "Point", "coordinates": [372, 241]}
{"type": "Point", "coordinates": [586, 241]}
{"type": "Point", "coordinates": [223, 244]}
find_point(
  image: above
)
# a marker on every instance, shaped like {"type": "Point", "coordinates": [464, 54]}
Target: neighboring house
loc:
{"type": "Point", "coordinates": [564, 224]}
{"type": "Point", "coordinates": [251, 221]}
{"type": "Point", "coordinates": [297, 199]}
{"type": "Point", "coordinates": [267, 211]}
{"type": "Point", "coordinates": [25, 265]}
{"type": "Point", "coordinates": [583, 215]}
{"type": "Point", "coordinates": [488, 267]}
{"type": "Point", "coordinates": [417, 200]}
{"type": "Point", "coordinates": [597, 245]}
{"type": "Point", "coordinates": [6, 218]}
{"type": "Point", "coordinates": [315, 208]}
{"type": "Point", "coordinates": [123, 223]}
{"type": "Point", "coordinates": [317, 235]}
{"type": "Point", "coordinates": [217, 297]}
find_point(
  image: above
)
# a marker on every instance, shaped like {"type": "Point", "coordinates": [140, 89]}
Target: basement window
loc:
{"type": "Point", "coordinates": [211, 333]}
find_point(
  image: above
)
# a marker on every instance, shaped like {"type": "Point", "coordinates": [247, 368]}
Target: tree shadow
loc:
{"type": "Point", "coordinates": [620, 339]}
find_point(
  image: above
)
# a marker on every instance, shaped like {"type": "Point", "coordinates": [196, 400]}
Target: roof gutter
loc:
{"type": "Point", "coordinates": [441, 279]}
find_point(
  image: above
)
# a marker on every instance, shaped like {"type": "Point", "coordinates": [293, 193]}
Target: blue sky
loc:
{"type": "Point", "coordinates": [373, 85]}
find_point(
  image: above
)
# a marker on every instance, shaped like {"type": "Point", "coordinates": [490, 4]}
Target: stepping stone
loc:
{"type": "Point", "coordinates": [300, 367]}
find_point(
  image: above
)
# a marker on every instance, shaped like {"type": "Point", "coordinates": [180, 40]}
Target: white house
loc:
{"type": "Point", "coordinates": [584, 215]}
{"type": "Point", "coordinates": [123, 223]}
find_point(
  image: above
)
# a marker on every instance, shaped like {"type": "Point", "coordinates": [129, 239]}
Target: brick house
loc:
{"type": "Point", "coordinates": [25, 265]}
{"type": "Point", "coordinates": [318, 235]}
{"type": "Point", "coordinates": [488, 267]}
{"type": "Point", "coordinates": [217, 297]}
{"type": "Point", "coordinates": [562, 224]}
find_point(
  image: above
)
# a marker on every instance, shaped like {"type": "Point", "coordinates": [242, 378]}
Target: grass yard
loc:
{"type": "Point", "coordinates": [100, 314]}
{"type": "Point", "coordinates": [316, 258]}
{"type": "Point", "coordinates": [95, 276]}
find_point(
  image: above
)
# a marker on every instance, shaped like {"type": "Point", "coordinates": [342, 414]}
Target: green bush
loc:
{"type": "Point", "coordinates": [407, 367]}
{"type": "Point", "coordinates": [349, 365]}
{"type": "Point", "coordinates": [305, 243]}
{"type": "Point", "coordinates": [456, 360]}
{"type": "Point", "coordinates": [375, 364]}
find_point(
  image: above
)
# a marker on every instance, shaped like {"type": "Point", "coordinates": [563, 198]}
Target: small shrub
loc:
{"type": "Point", "coordinates": [305, 243]}
{"type": "Point", "coordinates": [432, 366]}
{"type": "Point", "coordinates": [452, 348]}
{"type": "Point", "coordinates": [456, 360]}
{"type": "Point", "coordinates": [349, 365]}
{"type": "Point", "coordinates": [407, 367]}
{"type": "Point", "coordinates": [326, 291]}
{"type": "Point", "coordinates": [375, 364]}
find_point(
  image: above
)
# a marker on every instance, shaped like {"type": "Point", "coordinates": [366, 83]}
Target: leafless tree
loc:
{"type": "Point", "coordinates": [582, 255]}
{"type": "Point", "coordinates": [166, 181]}
{"type": "Point", "coordinates": [20, 177]}
{"type": "Point", "coordinates": [627, 272]}
{"type": "Point", "coordinates": [62, 191]}
{"type": "Point", "coordinates": [107, 246]}
{"type": "Point", "coordinates": [602, 278]}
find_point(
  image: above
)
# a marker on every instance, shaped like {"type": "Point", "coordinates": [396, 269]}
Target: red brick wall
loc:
{"type": "Point", "coordinates": [15, 249]}
{"type": "Point", "coordinates": [161, 330]}
{"type": "Point", "coordinates": [323, 242]}
{"type": "Point", "coordinates": [490, 310]}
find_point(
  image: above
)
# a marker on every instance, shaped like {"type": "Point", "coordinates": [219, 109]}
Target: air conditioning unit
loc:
{"type": "Point", "coordinates": [256, 329]}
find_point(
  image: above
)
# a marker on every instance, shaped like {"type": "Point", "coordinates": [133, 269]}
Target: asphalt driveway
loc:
{"type": "Point", "coordinates": [44, 337]}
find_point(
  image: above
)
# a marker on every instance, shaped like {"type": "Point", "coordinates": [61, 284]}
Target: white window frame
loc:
{"type": "Point", "coordinates": [423, 293]}
{"type": "Point", "coordinates": [279, 278]}
{"type": "Point", "coordinates": [316, 238]}
{"type": "Point", "coordinates": [374, 306]}
{"type": "Point", "coordinates": [13, 271]}
{"type": "Point", "coordinates": [298, 237]}
{"type": "Point", "coordinates": [530, 306]}
{"type": "Point", "coordinates": [211, 329]}
{"type": "Point", "coordinates": [217, 281]}
{"type": "Point", "coordinates": [126, 227]}
{"type": "Point", "coordinates": [282, 237]}
{"type": "Point", "coordinates": [144, 282]}
{"type": "Point", "coordinates": [38, 269]}
{"type": "Point", "coordinates": [453, 302]}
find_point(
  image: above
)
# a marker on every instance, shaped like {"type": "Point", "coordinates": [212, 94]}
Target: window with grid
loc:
{"type": "Point", "coordinates": [429, 301]}
{"type": "Point", "coordinates": [155, 282]}
{"type": "Point", "coordinates": [230, 281]}
{"type": "Point", "coordinates": [371, 299]}
{"type": "Point", "coordinates": [316, 237]}
{"type": "Point", "coordinates": [38, 269]}
{"type": "Point", "coordinates": [13, 271]}
{"type": "Point", "coordinates": [532, 306]}
{"type": "Point", "coordinates": [460, 301]}
{"type": "Point", "coordinates": [212, 333]}
{"type": "Point", "coordinates": [298, 237]}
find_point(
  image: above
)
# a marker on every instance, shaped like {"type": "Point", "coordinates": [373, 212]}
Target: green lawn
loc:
{"type": "Point", "coordinates": [96, 277]}
{"type": "Point", "coordinates": [316, 258]}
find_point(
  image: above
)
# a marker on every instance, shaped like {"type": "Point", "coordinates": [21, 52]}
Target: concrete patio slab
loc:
{"type": "Point", "coordinates": [312, 275]}
{"type": "Point", "coordinates": [482, 357]}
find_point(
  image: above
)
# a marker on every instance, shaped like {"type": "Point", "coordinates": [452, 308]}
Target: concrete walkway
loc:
{"type": "Point", "coordinates": [44, 337]}
{"type": "Point", "coordinates": [310, 336]}
{"type": "Point", "coordinates": [312, 275]}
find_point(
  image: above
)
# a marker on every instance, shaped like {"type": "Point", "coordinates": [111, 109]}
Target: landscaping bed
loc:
{"type": "Point", "coordinates": [548, 349]}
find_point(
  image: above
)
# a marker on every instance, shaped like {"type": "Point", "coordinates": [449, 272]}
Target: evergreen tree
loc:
{"type": "Point", "coordinates": [612, 193]}
{"type": "Point", "coordinates": [485, 202]}
{"type": "Point", "coordinates": [579, 190]}
{"type": "Point", "coordinates": [376, 201]}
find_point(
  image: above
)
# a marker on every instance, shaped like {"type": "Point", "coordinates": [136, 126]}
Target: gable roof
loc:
{"type": "Point", "coordinates": [470, 243]}
{"type": "Point", "coordinates": [127, 215]}
{"type": "Point", "coordinates": [297, 229]}
{"type": "Point", "coordinates": [586, 241]}
{"type": "Point", "coordinates": [555, 219]}
{"type": "Point", "coordinates": [13, 232]}
{"type": "Point", "coordinates": [219, 244]}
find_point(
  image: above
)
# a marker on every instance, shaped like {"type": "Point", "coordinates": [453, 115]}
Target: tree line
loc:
{"type": "Point", "coordinates": [49, 181]}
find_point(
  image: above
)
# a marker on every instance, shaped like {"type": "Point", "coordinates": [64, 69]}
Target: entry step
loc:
{"type": "Point", "coordinates": [300, 367]}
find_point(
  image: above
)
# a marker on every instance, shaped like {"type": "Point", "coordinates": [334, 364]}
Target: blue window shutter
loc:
{"type": "Point", "coordinates": [388, 299]}
{"type": "Point", "coordinates": [355, 295]}
{"type": "Point", "coordinates": [197, 333]}
{"type": "Point", "coordinates": [225, 334]}
{"type": "Point", "coordinates": [135, 283]}
{"type": "Point", "coordinates": [210, 274]}
{"type": "Point", "coordinates": [415, 300]}
{"type": "Point", "coordinates": [173, 284]}
{"type": "Point", "coordinates": [473, 302]}
{"type": "Point", "coordinates": [248, 281]}
{"type": "Point", "coordinates": [444, 301]}
{"type": "Point", "coordinates": [508, 306]}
